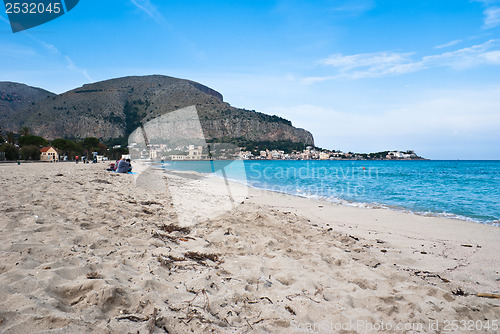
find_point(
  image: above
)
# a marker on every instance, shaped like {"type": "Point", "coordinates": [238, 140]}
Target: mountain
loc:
{"type": "Point", "coordinates": [14, 99]}
{"type": "Point", "coordinates": [114, 108]}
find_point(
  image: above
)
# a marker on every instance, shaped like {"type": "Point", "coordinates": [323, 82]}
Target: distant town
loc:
{"type": "Point", "coordinates": [311, 153]}
{"type": "Point", "coordinates": [223, 151]}
{"type": "Point", "coordinates": [30, 147]}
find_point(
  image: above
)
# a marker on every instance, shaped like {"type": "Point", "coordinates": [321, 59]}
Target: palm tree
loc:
{"type": "Point", "coordinates": [25, 131]}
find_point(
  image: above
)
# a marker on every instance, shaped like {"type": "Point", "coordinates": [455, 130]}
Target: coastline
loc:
{"type": "Point", "coordinates": [363, 203]}
{"type": "Point", "coordinates": [381, 206]}
{"type": "Point", "coordinates": [84, 251]}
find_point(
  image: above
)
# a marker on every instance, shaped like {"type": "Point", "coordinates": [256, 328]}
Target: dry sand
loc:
{"type": "Point", "coordinates": [87, 251]}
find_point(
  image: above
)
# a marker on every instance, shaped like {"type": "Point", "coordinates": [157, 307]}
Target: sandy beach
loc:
{"type": "Point", "coordinates": [84, 250]}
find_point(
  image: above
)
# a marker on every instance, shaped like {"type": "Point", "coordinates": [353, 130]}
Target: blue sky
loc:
{"type": "Point", "coordinates": [361, 75]}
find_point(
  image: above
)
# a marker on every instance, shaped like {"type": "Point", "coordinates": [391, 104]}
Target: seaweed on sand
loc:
{"type": "Point", "coordinates": [197, 257]}
{"type": "Point", "coordinates": [201, 257]}
{"type": "Point", "coordinates": [167, 260]}
{"type": "Point", "coordinates": [165, 237]}
{"type": "Point", "coordinates": [172, 228]}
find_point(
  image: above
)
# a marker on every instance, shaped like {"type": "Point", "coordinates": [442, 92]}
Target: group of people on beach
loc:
{"type": "Point", "coordinates": [85, 160]}
{"type": "Point", "coordinates": [121, 166]}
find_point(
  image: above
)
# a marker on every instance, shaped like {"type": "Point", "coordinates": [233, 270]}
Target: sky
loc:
{"type": "Point", "coordinates": [360, 75]}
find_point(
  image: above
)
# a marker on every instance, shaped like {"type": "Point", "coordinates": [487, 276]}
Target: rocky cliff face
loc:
{"type": "Point", "coordinates": [114, 108]}
{"type": "Point", "coordinates": [255, 130]}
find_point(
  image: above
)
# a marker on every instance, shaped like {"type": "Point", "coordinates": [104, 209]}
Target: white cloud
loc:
{"type": "Point", "coordinates": [368, 64]}
{"type": "Point", "coordinates": [73, 67]}
{"type": "Point", "coordinates": [313, 80]}
{"type": "Point", "coordinates": [49, 47]}
{"type": "Point", "coordinates": [476, 55]}
{"type": "Point", "coordinates": [447, 45]}
{"type": "Point", "coordinates": [491, 13]}
{"type": "Point", "coordinates": [147, 7]}
{"type": "Point", "coordinates": [492, 17]}
{"type": "Point", "coordinates": [4, 20]}
{"type": "Point", "coordinates": [55, 52]}
{"type": "Point", "coordinates": [379, 64]}
{"type": "Point", "coordinates": [372, 60]}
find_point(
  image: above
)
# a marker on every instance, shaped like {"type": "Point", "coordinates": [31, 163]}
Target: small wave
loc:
{"type": "Point", "coordinates": [447, 215]}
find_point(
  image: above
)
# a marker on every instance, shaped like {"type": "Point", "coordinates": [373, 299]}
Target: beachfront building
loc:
{"type": "Point", "coordinates": [193, 153]}
{"type": "Point", "coordinates": [153, 154]}
{"type": "Point", "coordinates": [324, 156]}
{"type": "Point", "coordinates": [178, 157]}
{"type": "Point", "coordinates": [49, 154]}
{"type": "Point", "coordinates": [277, 155]}
{"type": "Point", "coordinates": [246, 155]}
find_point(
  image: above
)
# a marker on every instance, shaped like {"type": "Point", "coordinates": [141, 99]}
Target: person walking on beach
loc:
{"type": "Point", "coordinates": [76, 159]}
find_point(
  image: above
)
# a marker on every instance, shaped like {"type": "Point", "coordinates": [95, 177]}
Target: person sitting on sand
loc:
{"type": "Point", "coordinates": [124, 166]}
{"type": "Point", "coordinates": [111, 167]}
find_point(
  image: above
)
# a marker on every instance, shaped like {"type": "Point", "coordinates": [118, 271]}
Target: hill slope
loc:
{"type": "Point", "coordinates": [114, 108]}
{"type": "Point", "coordinates": [14, 99]}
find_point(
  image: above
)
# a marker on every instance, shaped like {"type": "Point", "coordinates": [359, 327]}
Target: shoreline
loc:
{"type": "Point", "coordinates": [85, 250]}
{"type": "Point", "coordinates": [376, 206]}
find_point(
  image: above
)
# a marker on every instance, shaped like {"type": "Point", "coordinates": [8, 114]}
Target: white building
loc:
{"type": "Point", "coordinates": [324, 156]}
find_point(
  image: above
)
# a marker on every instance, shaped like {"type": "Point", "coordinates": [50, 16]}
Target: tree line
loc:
{"type": "Point", "coordinates": [26, 146]}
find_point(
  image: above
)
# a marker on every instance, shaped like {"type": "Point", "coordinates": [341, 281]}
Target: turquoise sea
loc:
{"type": "Point", "coordinates": [468, 190]}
